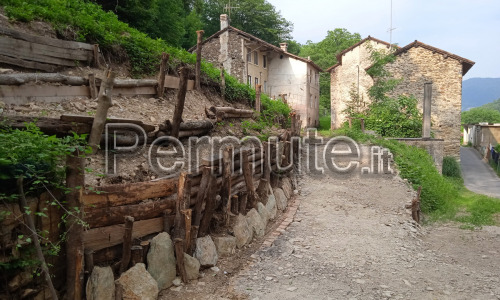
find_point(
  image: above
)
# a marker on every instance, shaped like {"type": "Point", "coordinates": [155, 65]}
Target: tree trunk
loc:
{"type": "Point", "coordinates": [103, 104]}
{"type": "Point", "coordinates": [197, 83]}
{"type": "Point", "coordinates": [179, 106]}
{"type": "Point", "coordinates": [92, 86]}
{"type": "Point", "coordinates": [227, 157]}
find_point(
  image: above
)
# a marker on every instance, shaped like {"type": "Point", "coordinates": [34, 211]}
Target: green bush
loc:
{"type": "Point", "coordinates": [451, 167]}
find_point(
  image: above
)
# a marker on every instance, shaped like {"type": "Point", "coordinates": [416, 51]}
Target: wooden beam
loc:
{"type": "Point", "coordinates": [161, 75]}
{"type": "Point", "coordinates": [179, 105]}
{"type": "Point", "coordinates": [103, 104]}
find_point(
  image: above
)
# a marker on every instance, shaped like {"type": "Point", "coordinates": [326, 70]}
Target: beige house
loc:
{"type": "Point", "coordinates": [482, 136]}
{"type": "Point", "coordinates": [254, 61]}
{"type": "Point", "coordinates": [416, 64]}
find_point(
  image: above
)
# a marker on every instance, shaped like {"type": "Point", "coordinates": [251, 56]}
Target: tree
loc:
{"type": "Point", "coordinates": [324, 54]}
{"type": "Point", "coordinates": [492, 105]}
{"type": "Point", "coordinates": [257, 17]}
{"type": "Point", "coordinates": [480, 114]}
{"type": "Point", "coordinates": [294, 47]}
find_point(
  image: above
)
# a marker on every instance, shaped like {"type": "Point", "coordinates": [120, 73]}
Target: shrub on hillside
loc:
{"type": "Point", "coordinates": [451, 167]}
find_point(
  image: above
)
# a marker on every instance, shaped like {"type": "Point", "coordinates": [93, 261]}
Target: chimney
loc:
{"type": "Point", "coordinates": [284, 47]}
{"type": "Point", "coordinates": [224, 22]}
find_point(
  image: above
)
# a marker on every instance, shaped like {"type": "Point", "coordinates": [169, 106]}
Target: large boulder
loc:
{"type": "Point", "coordinates": [263, 213]}
{"type": "Point", "coordinates": [286, 186]}
{"type": "Point", "coordinates": [101, 284]}
{"type": "Point", "coordinates": [271, 206]}
{"type": "Point", "coordinates": [242, 232]}
{"type": "Point", "coordinates": [206, 252]}
{"type": "Point", "coordinates": [192, 266]}
{"type": "Point", "coordinates": [161, 260]}
{"type": "Point", "coordinates": [255, 223]}
{"type": "Point", "coordinates": [225, 245]}
{"type": "Point", "coordinates": [281, 200]}
{"type": "Point", "coordinates": [137, 284]}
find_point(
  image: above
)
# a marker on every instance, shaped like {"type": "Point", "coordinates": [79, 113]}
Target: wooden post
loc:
{"type": "Point", "coordinates": [257, 97]}
{"type": "Point", "coordinates": [89, 262]}
{"type": "Point", "coordinates": [127, 243]}
{"type": "Point", "coordinates": [187, 221]}
{"type": "Point", "coordinates": [166, 222]}
{"type": "Point", "coordinates": [203, 192]}
{"type": "Point", "coordinates": [209, 208]}
{"type": "Point", "coordinates": [286, 149]}
{"type": "Point", "coordinates": [179, 255]}
{"type": "Point", "coordinates": [31, 225]}
{"type": "Point", "coordinates": [75, 181]}
{"type": "Point", "coordinates": [227, 168]}
{"type": "Point", "coordinates": [92, 86]}
{"type": "Point", "coordinates": [179, 105]}
{"type": "Point", "coordinates": [222, 82]}
{"type": "Point", "coordinates": [181, 204]}
{"type": "Point", "coordinates": [136, 255]}
{"type": "Point", "coordinates": [362, 125]}
{"type": "Point", "coordinates": [103, 104]}
{"type": "Point", "coordinates": [197, 82]}
{"type": "Point", "coordinates": [243, 196]}
{"type": "Point", "coordinates": [161, 76]}
{"type": "Point", "coordinates": [350, 122]}
{"type": "Point", "coordinates": [248, 175]}
{"type": "Point", "coordinates": [235, 205]}
{"type": "Point", "coordinates": [415, 206]}
{"type": "Point", "coordinates": [95, 62]}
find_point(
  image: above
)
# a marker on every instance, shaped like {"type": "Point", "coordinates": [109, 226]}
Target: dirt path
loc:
{"type": "Point", "coordinates": [478, 175]}
{"type": "Point", "coordinates": [352, 238]}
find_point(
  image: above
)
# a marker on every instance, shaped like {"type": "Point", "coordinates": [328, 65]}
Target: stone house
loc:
{"type": "Point", "coordinates": [416, 64]}
{"type": "Point", "coordinates": [253, 61]}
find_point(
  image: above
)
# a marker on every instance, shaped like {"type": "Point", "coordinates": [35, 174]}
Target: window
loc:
{"type": "Point", "coordinates": [256, 81]}
{"type": "Point", "coordinates": [249, 55]}
{"type": "Point", "coordinates": [256, 58]}
{"type": "Point", "coordinates": [249, 80]}
{"type": "Point", "coordinates": [265, 85]}
{"type": "Point", "coordinates": [264, 64]}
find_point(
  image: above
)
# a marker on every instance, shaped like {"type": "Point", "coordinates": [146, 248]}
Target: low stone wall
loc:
{"type": "Point", "coordinates": [435, 147]}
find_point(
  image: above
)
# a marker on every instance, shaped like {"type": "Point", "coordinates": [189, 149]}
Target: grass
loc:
{"type": "Point", "coordinates": [324, 125]}
{"type": "Point", "coordinates": [443, 198]}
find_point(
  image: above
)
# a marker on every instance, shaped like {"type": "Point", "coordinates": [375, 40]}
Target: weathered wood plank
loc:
{"type": "Point", "coordinates": [90, 120]}
{"type": "Point", "coordinates": [48, 126]}
{"type": "Point", "coordinates": [128, 91]}
{"type": "Point", "coordinates": [27, 64]}
{"type": "Point", "coordinates": [172, 82]}
{"type": "Point", "coordinates": [123, 194]}
{"type": "Point", "coordinates": [26, 53]}
{"type": "Point", "coordinates": [104, 237]}
{"type": "Point", "coordinates": [45, 50]}
{"type": "Point", "coordinates": [43, 91]}
{"type": "Point", "coordinates": [44, 40]}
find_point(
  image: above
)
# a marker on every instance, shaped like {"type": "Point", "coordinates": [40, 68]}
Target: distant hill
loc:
{"type": "Point", "coordinates": [479, 91]}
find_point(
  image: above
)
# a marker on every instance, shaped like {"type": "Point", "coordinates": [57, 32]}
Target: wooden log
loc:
{"type": "Point", "coordinates": [181, 204]}
{"type": "Point", "coordinates": [127, 243]}
{"type": "Point", "coordinates": [222, 85]}
{"type": "Point", "coordinates": [24, 78]}
{"type": "Point", "coordinates": [27, 64]}
{"type": "Point", "coordinates": [104, 103]}
{"type": "Point", "coordinates": [90, 120]}
{"type": "Point", "coordinates": [131, 83]}
{"type": "Point", "coordinates": [129, 193]}
{"type": "Point", "coordinates": [191, 125]}
{"type": "Point", "coordinates": [247, 173]}
{"type": "Point", "coordinates": [92, 86]}
{"type": "Point", "coordinates": [243, 197]}
{"type": "Point", "coordinates": [286, 149]}
{"type": "Point", "coordinates": [257, 97]}
{"type": "Point", "coordinates": [225, 193]}
{"type": "Point", "coordinates": [231, 112]}
{"type": "Point", "coordinates": [136, 255]}
{"type": "Point", "coordinates": [179, 105]}
{"type": "Point", "coordinates": [197, 82]}
{"type": "Point", "coordinates": [209, 208]}
{"type": "Point", "coordinates": [105, 237]}
{"type": "Point", "coordinates": [11, 46]}
{"type": "Point", "coordinates": [179, 255]}
{"type": "Point", "coordinates": [49, 126]}
{"type": "Point", "coordinates": [99, 217]}
{"type": "Point", "coordinates": [75, 180]}
{"type": "Point", "coordinates": [187, 221]}
{"type": "Point", "coordinates": [200, 199]}
{"type": "Point", "coordinates": [43, 40]}
{"type": "Point", "coordinates": [161, 75]}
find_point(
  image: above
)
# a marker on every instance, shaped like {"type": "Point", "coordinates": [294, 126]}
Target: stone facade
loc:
{"type": "Point", "coordinates": [281, 74]}
{"type": "Point", "coordinates": [415, 64]}
{"type": "Point", "coordinates": [349, 75]}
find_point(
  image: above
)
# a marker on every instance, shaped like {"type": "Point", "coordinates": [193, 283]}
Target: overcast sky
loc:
{"type": "Point", "coordinates": [468, 28]}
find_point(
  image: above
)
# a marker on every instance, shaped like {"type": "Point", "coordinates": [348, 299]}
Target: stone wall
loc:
{"type": "Point", "coordinates": [351, 75]}
{"type": "Point", "coordinates": [435, 148]}
{"type": "Point", "coordinates": [418, 66]}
